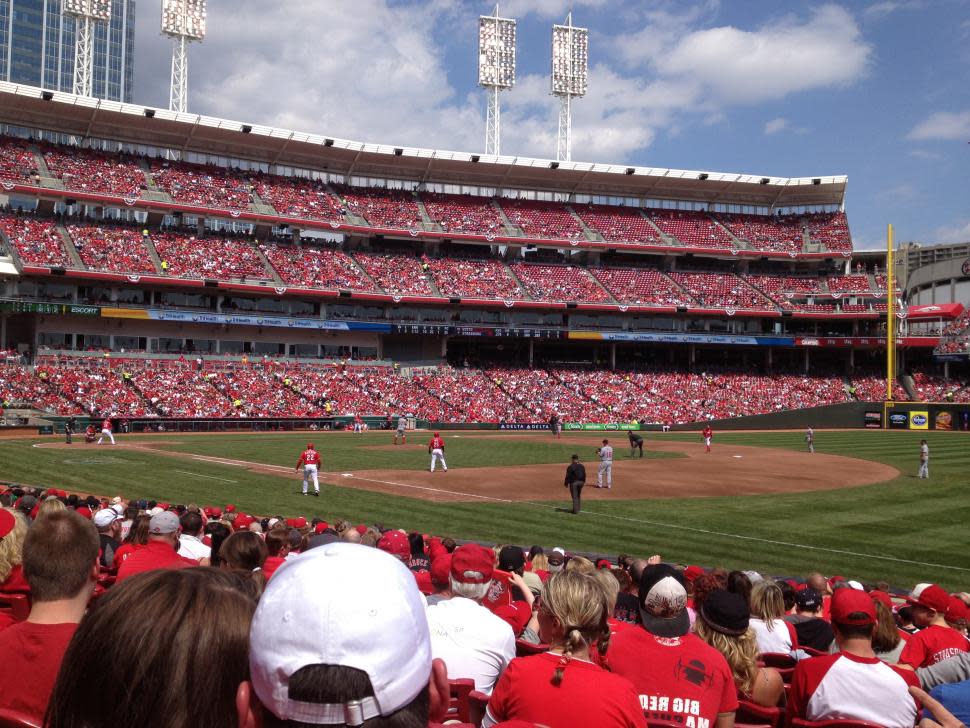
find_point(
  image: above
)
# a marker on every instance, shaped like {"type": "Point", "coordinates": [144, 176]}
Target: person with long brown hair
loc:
{"type": "Point", "coordinates": [149, 645]}
{"type": "Point", "coordinates": [723, 623]}
{"type": "Point", "coordinates": [562, 687]}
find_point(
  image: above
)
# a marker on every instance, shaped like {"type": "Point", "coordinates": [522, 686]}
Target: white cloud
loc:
{"type": "Point", "coordinates": [944, 125]}
{"type": "Point", "coordinates": [923, 154]}
{"type": "Point", "coordinates": [776, 125]}
{"type": "Point", "coordinates": [543, 9]}
{"type": "Point", "coordinates": [958, 233]}
{"type": "Point", "coordinates": [782, 57]}
{"type": "Point", "coordinates": [880, 10]}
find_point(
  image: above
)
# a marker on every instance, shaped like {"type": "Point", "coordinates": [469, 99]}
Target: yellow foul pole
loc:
{"type": "Point", "coordinates": [890, 315]}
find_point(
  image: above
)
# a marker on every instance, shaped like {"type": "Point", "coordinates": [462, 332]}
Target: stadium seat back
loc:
{"type": "Point", "coordinates": [458, 701]}
{"type": "Point", "coordinates": [16, 719]}
{"type": "Point", "coordinates": [477, 702]}
{"type": "Point", "coordinates": [524, 649]}
{"type": "Point", "coordinates": [16, 605]}
{"type": "Point", "coordinates": [750, 713]}
{"type": "Point", "coordinates": [834, 723]}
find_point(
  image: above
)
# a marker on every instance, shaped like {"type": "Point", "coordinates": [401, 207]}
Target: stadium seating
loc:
{"type": "Point", "coordinates": [644, 286]}
{"type": "Point", "coordinates": [849, 284]}
{"type": "Point", "coordinates": [545, 220]}
{"type": "Point", "coordinates": [24, 387]}
{"type": "Point", "coordinates": [721, 290]}
{"type": "Point", "coordinates": [765, 233]}
{"type": "Point", "coordinates": [86, 170]}
{"type": "Point", "coordinates": [204, 185]}
{"type": "Point", "coordinates": [316, 266]}
{"type": "Point", "coordinates": [36, 241]}
{"type": "Point", "coordinates": [690, 228]}
{"type": "Point", "coordinates": [98, 391]}
{"type": "Point", "coordinates": [17, 163]}
{"type": "Point", "coordinates": [183, 391]}
{"type": "Point", "coordinates": [294, 197]}
{"type": "Point", "coordinates": [932, 387]}
{"type": "Point", "coordinates": [619, 224]}
{"type": "Point", "coordinates": [559, 283]}
{"type": "Point", "coordinates": [399, 273]}
{"type": "Point", "coordinates": [188, 256]}
{"type": "Point", "coordinates": [464, 213]}
{"type": "Point", "coordinates": [830, 230]}
{"type": "Point", "coordinates": [115, 249]}
{"type": "Point", "coordinates": [478, 277]}
{"type": "Point", "coordinates": [384, 208]}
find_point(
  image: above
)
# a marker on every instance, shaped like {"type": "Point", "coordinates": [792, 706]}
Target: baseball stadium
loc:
{"type": "Point", "coordinates": [187, 301]}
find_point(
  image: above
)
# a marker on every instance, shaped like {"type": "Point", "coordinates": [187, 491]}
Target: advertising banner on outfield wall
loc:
{"type": "Point", "coordinates": [874, 420]}
{"type": "Point", "coordinates": [601, 426]}
{"type": "Point", "coordinates": [919, 420]}
{"type": "Point", "coordinates": [898, 420]}
{"type": "Point", "coordinates": [523, 425]}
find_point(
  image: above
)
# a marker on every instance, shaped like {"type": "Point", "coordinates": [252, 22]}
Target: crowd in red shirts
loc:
{"type": "Point", "coordinates": [464, 213]}
{"type": "Point", "coordinates": [36, 241]}
{"type": "Point", "coordinates": [616, 223]}
{"type": "Point", "coordinates": [205, 185]}
{"type": "Point", "coordinates": [190, 256]}
{"type": "Point", "coordinates": [308, 199]}
{"type": "Point", "coordinates": [545, 220]}
{"type": "Point", "coordinates": [110, 248]}
{"type": "Point", "coordinates": [765, 233]}
{"type": "Point", "coordinates": [88, 170]}
{"type": "Point", "coordinates": [548, 636]}
{"type": "Point", "coordinates": [557, 282]}
{"type": "Point", "coordinates": [17, 161]}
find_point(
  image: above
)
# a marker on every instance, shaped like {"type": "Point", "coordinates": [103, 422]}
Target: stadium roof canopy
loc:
{"type": "Point", "coordinates": [83, 117]}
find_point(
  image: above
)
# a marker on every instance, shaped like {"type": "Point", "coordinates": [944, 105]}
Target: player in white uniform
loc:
{"type": "Point", "coordinates": [310, 460]}
{"type": "Point", "coordinates": [606, 465]}
{"type": "Point", "coordinates": [810, 439]}
{"type": "Point", "coordinates": [402, 426]}
{"type": "Point", "coordinates": [106, 431]}
{"type": "Point", "coordinates": [924, 460]}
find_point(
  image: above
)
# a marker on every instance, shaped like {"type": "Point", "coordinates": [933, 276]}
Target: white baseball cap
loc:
{"type": "Point", "coordinates": [348, 605]}
{"type": "Point", "coordinates": [105, 517]}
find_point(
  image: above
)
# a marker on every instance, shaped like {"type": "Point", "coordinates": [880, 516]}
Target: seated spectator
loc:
{"type": "Point", "coordinates": [108, 523]}
{"type": "Point", "coordinates": [677, 676]}
{"type": "Point", "coordinates": [472, 641]}
{"type": "Point", "coordinates": [852, 683]}
{"type": "Point", "coordinates": [277, 549]}
{"type": "Point", "coordinates": [160, 551]}
{"type": "Point", "coordinates": [13, 530]}
{"type": "Point", "coordinates": [888, 640]}
{"type": "Point", "coordinates": [244, 550]}
{"type": "Point", "coordinates": [562, 687]}
{"type": "Point", "coordinates": [810, 629]}
{"type": "Point", "coordinates": [61, 566]}
{"type": "Point", "coordinates": [342, 656]}
{"type": "Point", "coordinates": [723, 622]}
{"type": "Point", "coordinates": [936, 640]}
{"type": "Point", "coordinates": [136, 539]}
{"type": "Point", "coordinates": [190, 542]}
{"type": "Point", "coordinates": [440, 579]}
{"type": "Point", "coordinates": [767, 609]}
{"type": "Point", "coordinates": [178, 640]}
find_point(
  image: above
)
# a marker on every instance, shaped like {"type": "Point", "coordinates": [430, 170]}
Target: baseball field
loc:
{"type": "Point", "coordinates": [759, 500]}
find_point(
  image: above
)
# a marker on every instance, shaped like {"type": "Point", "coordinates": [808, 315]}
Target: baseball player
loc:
{"type": "Point", "coordinates": [402, 425]}
{"type": "Point", "coordinates": [358, 424]}
{"type": "Point", "coordinates": [436, 447]}
{"type": "Point", "coordinates": [89, 434]}
{"type": "Point", "coordinates": [606, 465]}
{"type": "Point", "coordinates": [555, 425]}
{"type": "Point", "coordinates": [106, 431]}
{"type": "Point", "coordinates": [810, 439]}
{"type": "Point", "coordinates": [69, 427]}
{"type": "Point", "coordinates": [310, 460]}
{"type": "Point", "coordinates": [924, 460]}
{"type": "Point", "coordinates": [636, 443]}
{"type": "Point", "coordinates": [707, 433]}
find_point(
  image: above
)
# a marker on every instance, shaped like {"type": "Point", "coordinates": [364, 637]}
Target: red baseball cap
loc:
{"type": "Point", "coordinates": [299, 522]}
{"type": "Point", "coordinates": [957, 611]}
{"type": "Point", "coordinates": [7, 522]}
{"type": "Point", "coordinates": [242, 521]}
{"type": "Point", "coordinates": [882, 598]}
{"type": "Point", "coordinates": [440, 569]}
{"type": "Point", "coordinates": [321, 527]}
{"type": "Point", "coordinates": [847, 602]}
{"type": "Point", "coordinates": [215, 512]}
{"type": "Point", "coordinates": [84, 511]}
{"type": "Point", "coordinates": [423, 579]}
{"type": "Point", "coordinates": [932, 597]}
{"type": "Point", "coordinates": [604, 564]}
{"type": "Point", "coordinates": [230, 508]}
{"type": "Point", "coordinates": [396, 544]}
{"type": "Point", "coordinates": [471, 559]}
{"type": "Point", "coordinates": [361, 529]}
{"type": "Point", "coordinates": [692, 572]}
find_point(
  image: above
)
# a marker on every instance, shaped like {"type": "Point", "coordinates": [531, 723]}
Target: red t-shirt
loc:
{"type": "Point", "coordinates": [155, 555]}
{"type": "Point", "coordinates": [125, 551]}
{"type": "Point", "coordinates": [679, 679]}
{"type": "Point", "coordinates": [271, 564]}
{"type": "Point", "coordinates": [30, 656]}
{"type": "Point", "coordinates": [933, 644]}
{"type": "Point", "coordinates": [16, 582]}
{"type": "Point", "coordinates": [587, 696]}
{"type": "Point", "coordinates": [848, 686]}
{"type": "Point", "coordinates": [436, 444]}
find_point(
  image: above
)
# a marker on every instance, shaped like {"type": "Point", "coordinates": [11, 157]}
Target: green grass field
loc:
{"type": "Point", "coordinates": [905, 530]}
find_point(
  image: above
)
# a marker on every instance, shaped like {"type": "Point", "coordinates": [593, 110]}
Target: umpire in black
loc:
{"type": "Point", "coordinates": [575, 480]}
{"type": "Point", "coordinates": [636, 443]}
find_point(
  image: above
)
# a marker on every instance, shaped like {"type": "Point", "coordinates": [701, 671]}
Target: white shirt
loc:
{"type": "Point", "coordinates": [924, 452]}
{"type": "Point", "coordinates": [606, 453]}
{"type": "Point", "coordinates": [472, 641]}
{"type": "Point", "coordinates": [192, 548]}
{"type": "Point", "coordinates": [777, 639]}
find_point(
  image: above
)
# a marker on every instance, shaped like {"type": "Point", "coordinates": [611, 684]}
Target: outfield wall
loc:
{"type": "Point", "coordinates": [844, 415]}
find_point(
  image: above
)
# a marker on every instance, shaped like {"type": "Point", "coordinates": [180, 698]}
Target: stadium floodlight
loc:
{"type": "Point", "coordinates": [570, 77]}
{"type": "Point", "coordinates": [496, 69]}
{"type": "Point", "coordinates": [85, 13]}
{"type": "Point", "coordinates": [183, 21]}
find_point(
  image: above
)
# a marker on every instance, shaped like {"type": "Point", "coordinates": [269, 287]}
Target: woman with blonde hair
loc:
{"type": "Point", "coordinates": [723, 623]}
{"type": "Point", "coordinates": [13, 531]}
{"type": "Point", "coordinates": [562, 688]}
{"type": "Point", "coordinates": [767, 605]}
{"type": "Point", "coordinates": [51, 504]}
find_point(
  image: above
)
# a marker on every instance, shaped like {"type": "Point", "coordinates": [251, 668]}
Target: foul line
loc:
{"type": "Point", "coordinates": [210, 477]}
{"type": "Point", "coordinates": [628, 519]}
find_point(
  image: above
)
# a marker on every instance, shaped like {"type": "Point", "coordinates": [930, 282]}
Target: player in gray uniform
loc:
{"type": "Point", "coordinates": [810, 439]}
{"type": "Point", "coordinates": [924, 460]}
{"type": "Point", "coordinates": [402, 424]}
{"type": "Point", "coordinates": [606, 465]}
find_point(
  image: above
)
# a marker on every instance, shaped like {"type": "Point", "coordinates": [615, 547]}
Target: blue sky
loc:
{"type": "Point", "coordinates": [876, 90]}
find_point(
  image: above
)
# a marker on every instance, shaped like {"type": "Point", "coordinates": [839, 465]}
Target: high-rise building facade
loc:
{"type": "Point", "coordinates": [37, 47]}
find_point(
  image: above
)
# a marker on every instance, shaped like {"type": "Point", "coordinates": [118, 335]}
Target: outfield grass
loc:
{"type": "Point", "coordinates": [869, 532]}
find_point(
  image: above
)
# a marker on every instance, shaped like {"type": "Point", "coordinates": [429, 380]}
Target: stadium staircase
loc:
{"type": "Point", "coordinates": [259, 206]}
{"type": "Point", "coordinates": [511, 272]}
{"type": "Point", "coordinates": [432, 283]}
{"type": "Point", "coordinates": [666, 239]}
{"type": "Point", "coordinates": [71, 248]}
{"type": "Point", "coordinates": [909, 386]}
{"type": "Point", "coordinates": [511, 229]}
{"type": "Point", "coordinates": [872, 282]}
{"type": "Point", "coordinates": [738, 242]}
{"type": "Point", "coordinates": [154, 192]}
{"type": "Point", "coordinates": [274, 276]}
{"type": "Point", "coordinates": [363, 272]}
{"type": "Point", "coordinates": [152, 253]}
{"type": "Point", "coordinates": [44, 171]}
{"type": "Point", "coordinates": [349, 217]}
{"type": "Point", "coordinates": [599, 284]}
{"type": "Point", "coordinates": [426, 220]}
{"type": "Point", "coordinates": [587, 230]}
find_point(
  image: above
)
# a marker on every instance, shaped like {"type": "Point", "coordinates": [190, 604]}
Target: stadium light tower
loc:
{"type": "Point", "coordinates": [496, 70]}
{"type": "Point", "coordinates": [183, 21]}
{"type": "Point", "coordinates": [570, 77]}
{"type": "Point", "coordinates": [85, 13]}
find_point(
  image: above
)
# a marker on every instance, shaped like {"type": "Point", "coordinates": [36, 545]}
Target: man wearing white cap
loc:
{"type": "Point", "coordinates": [108, 523]}
{"type": "Point", "coordinates": [160, 551]}
{"type": "Point", "coordinates": [321, 655]}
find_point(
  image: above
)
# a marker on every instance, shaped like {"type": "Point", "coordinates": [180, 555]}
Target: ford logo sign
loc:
{"type": "Point", "coordinates": [919, 419]}
{"type": "Point", "coordinates": [897, 418]}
